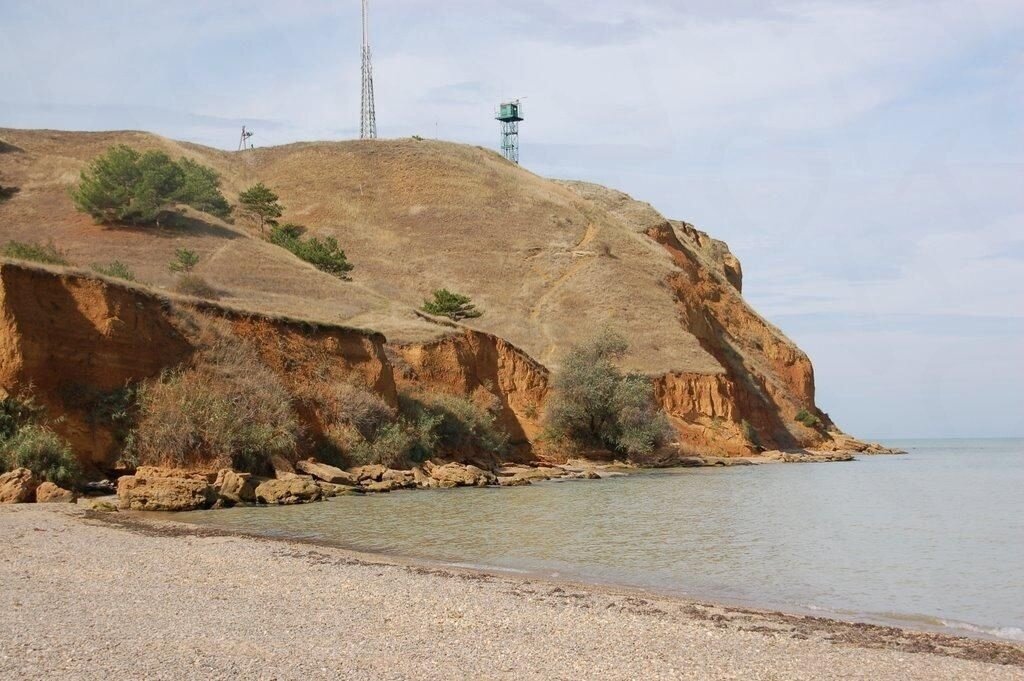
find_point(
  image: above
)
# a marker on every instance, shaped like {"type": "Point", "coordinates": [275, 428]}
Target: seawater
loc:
{"type": "Point", "coordinates": [933, 538]}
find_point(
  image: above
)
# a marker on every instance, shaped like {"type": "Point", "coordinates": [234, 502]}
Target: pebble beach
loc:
{"type": "Point", "coordinates": [97, 596]}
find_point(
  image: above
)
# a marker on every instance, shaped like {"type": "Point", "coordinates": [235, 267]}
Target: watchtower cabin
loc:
{"type": "Point", "coordinates": [510, 114]}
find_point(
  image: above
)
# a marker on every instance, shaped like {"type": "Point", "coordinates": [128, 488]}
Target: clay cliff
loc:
{"type": "Point", "coordinates": [548, 262]}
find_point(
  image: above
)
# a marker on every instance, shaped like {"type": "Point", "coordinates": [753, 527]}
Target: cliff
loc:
{"type": "Point", "coordinates": [548, 262]}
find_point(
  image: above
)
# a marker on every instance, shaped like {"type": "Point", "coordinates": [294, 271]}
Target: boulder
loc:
{"type": "Point", "coordinates": [233, 487]}
{"type": "Point", "coordinates": [372, 472]}
{"type": "Point", "coordinates": [49, 493]}
{"type": "Point", "coordinates": [18, 487]}
{"type": "Point", "coordinates": [145, 491]}
{"type": "Point", "coordinates": [322, 471]}
{"type": "Point", "coordinates": [514, 481]}
{"type": "Point", "coordinates": [533, 472]}
{"type": "Point", "coordinates": [399, 479]}
{"type": "Point", "coordinates": [283, 468]}
{"type": "Point", "coordinates": [421, 479]}
{"type": "Point", "coordinates": [289, 491]}
{"type": "Point", "coordinates": [461, 475]}
{"type": "Point", "coordinates": [379, 487]}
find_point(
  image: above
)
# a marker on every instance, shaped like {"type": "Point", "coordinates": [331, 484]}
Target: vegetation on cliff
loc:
{"type": "Point", "coordinates": [27, 441]}
{"type": "Point", "coordinates": [47, 254]}
{"type": "Point", "coordinates": [595, 404]}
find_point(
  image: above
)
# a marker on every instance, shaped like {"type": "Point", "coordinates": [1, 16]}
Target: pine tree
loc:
{"type": "Point", "coordinates": [451, 305]}
{"type": "Point", "coordinates": [260, 204]}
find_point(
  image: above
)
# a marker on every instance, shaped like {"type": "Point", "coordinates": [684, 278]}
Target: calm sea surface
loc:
{"type": "Point", "coordinates": [931, 539]}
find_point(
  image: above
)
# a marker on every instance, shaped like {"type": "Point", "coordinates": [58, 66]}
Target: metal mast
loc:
{"type": "Point", "coordinates": [368, 120]}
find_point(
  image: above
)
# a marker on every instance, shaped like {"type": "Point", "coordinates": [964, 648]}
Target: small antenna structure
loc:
{"type": "Point", "coordinates": [244, 139]}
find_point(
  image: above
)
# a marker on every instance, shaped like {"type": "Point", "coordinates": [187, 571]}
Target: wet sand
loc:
{"type": "Point", "coordinates": [98, 596]}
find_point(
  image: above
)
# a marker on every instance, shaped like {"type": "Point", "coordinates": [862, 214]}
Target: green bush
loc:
{"type": "Point", "coordinates": [123, 185]}
{"type": "Point", "coordinates": [17, 412]}
{"type": "Point", "coordinates": [115, 269]}
{"type": "Point", "coordinates": [808, 419]}
{"type": "Point", "coordinates": [595, 404]}
{"type": "Point", "coordinates": [43, 452]}
{"type": "Point", "coordinates": [451, 305]}
{"type": "Point", "coordinates": [463, 427]}
{"type": "Point", "coordinates": [324, 255]}
{"type": "Point", "coordinates": [47, 254]}
{"type": "Point", "coordinates": [226, 410]}
{"type": "Point", "coordinates": [184, 261]}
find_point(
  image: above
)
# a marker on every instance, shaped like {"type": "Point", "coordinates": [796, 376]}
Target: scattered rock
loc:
{"type": "Point", "coordinates": [322, 471]}
{"type": "Point", "coordinates": [400, 479]}
{"type": "Point", "coordinates": [101, 488]}
{"type": "Point", "coordinates": [105, 505]}
{"type": "Point", "coordinates": [49, 493]}
{"type": "Point", "coordinates": [294, 490]}
{"type": "Point", "coordinates": [283, 468]}
{"type": "Point", "coordinates": [514, 481]}
{"type": "Point", "coordinates": [460, 475]}
{"type": "Point", "coordinates": [372, 472]}
{"type": "Point", "coordinates": [533, 472]}
{"type": "Point", "coordinates": [421, 479]}
{"type": "Point", "coordinates": [379, 487]}
{"type": "Point", "coordinates": [233, 487]}
{"type": "Point", "coordinates": [18, 487]}
{"type": "Point", "coordinates": [150, 490]}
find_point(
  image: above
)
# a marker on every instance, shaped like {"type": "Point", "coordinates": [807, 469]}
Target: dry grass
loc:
{"type": "Point", "coordinates": [412, 216]}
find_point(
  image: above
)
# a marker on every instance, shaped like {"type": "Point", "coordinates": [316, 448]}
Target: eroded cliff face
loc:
{"type": "Point", "coordinates": [74, 340]}
{"type": "Point", "coordinates": [472, 361]}
{"type": "Point", "coordinates": [765, 379]}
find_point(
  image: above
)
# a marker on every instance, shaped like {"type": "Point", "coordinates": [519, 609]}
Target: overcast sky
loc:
{"type": "Point", "coordinates": [865, 160]}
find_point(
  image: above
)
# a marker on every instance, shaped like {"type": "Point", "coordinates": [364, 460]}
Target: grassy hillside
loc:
{"type": "Point", "coordinates": [548, 262]}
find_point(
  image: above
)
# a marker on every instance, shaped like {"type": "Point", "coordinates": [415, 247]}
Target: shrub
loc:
{"type": "Point", "coordinates": [324, 255]}
{"type": "Point", "coordinates": [47, 254]}
{"type": "Point", "coordinates": [17, 412]}
{"type": "Point", "coordinates": [261, 205]}
{"type": "Point", "coordinates": [451, 305]}
{"type": "Point", "coordinates": [184, 261]}
{"type": "Point", "coordinates": [391, 447]}
{"type": "Point", "coordinates": [123, 185]}
{"type": "Point", "coordinates": [42, 451]}
{"type": "Point", "coordinates": [227, 409]}
{"type": "Point", "coordinates": [115, 269]}
{"type": "Point", "coordinates": [197, 287]}
{"type": "Point", "coordinates": [595, 404]}
{"type": "Point", "coordinates": [808, 419]}
{"type": "Point", "coordinates": [463, 426]}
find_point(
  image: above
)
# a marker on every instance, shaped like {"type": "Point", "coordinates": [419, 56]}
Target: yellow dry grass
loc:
{"type": "Point", "coordinates": [548, 262]}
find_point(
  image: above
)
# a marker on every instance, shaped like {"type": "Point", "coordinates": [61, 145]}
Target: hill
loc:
{"type": "Point", "coordinates": [549, 262]}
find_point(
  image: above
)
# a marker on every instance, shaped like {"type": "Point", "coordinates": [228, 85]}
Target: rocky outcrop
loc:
{"type": "Point", "coordinates": [234, 488]}
{"type": "Point", "coordinates": [18, 486]}
{"type": "Point", "coordinates": [322, 471]}
{"type": "Point", "coordinates": [472, 362]}
{"type": "Point", "coordinates": [287, 492]}
{"type": "Point", "coordinates": [459, 475]}
{"type": "Point", "coordinates": [159, 489]}
{"type": "Point", "coordinates": [49, 493]}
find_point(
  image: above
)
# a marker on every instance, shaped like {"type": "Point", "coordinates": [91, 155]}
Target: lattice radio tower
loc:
{"type": "Point", "coordinates": [368, 120]}
{"type": "Point", "coordinates": [243, 141]}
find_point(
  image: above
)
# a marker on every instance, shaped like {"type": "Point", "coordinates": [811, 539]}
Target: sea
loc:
{"type": "Point", "coordinates": [932, 539]}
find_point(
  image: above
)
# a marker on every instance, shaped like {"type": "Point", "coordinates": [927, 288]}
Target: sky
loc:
{"type": "Point", "coordinates": [865, 160]}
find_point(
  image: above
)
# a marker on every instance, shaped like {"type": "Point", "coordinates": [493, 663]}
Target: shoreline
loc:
{"type": "Point", "coordinates": [166, 525]}
{"type": "Point", "coordinates": [114, 571]}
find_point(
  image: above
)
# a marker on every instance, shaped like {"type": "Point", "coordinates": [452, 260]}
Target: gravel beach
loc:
{"type": "Point", "coordinates": [98, 596]}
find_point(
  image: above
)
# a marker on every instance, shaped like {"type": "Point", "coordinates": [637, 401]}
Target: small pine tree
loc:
{"type": "Point", "coordinates": [184, 261]}
{"type": "Point", "coordinates": [451, 305]}
{"type": "Point", "coordinates": [261, 205]}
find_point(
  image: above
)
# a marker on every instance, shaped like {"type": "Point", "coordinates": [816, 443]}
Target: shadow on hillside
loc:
{"type": "Point", "coordinates": [8, 192]}
{"type": "Point", "coordinates": [178, 225]}
{"type": "Point", "coordinates": [6, 148]}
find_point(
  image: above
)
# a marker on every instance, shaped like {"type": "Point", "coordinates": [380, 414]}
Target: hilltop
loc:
{"type": "Point", "coordinates": [548, 261]}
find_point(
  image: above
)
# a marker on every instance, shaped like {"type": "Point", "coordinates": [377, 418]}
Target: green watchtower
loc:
{"type": "Point", "coordinates": [510, 114]}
